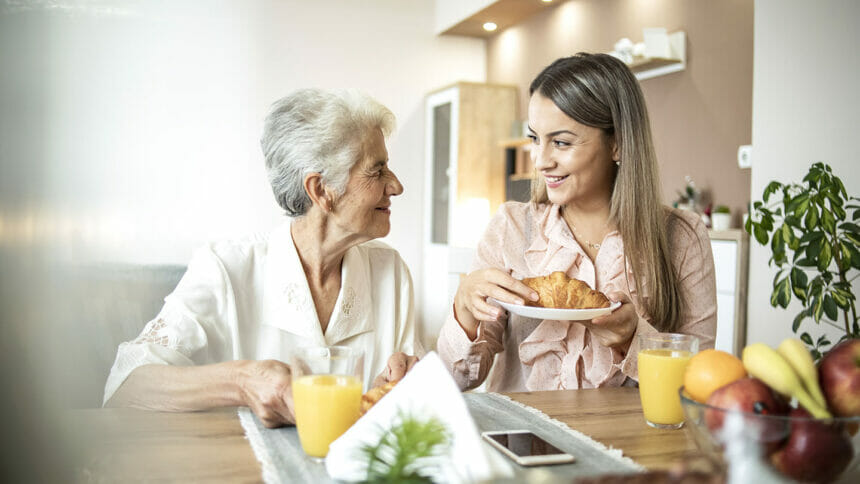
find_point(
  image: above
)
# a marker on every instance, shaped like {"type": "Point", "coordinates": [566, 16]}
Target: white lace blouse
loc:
{"type": "Point", "coordinates": [249, 299]}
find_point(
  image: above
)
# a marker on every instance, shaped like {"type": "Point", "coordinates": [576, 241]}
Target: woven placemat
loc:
{"type": "Point", "coordinates": [282, 459]}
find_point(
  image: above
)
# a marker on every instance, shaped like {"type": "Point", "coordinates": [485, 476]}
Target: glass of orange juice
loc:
{"type": "Point", "coordinates": [662, 360]}
{"type": "Point", "coordinates": [326, 394]}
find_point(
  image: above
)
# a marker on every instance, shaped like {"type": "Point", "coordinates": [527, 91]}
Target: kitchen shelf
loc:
{"type": "Point", "coordinates": [648, 67]}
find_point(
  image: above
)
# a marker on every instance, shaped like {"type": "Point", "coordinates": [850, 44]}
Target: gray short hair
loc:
{"type": "Point", "coordinates": [317, 131]}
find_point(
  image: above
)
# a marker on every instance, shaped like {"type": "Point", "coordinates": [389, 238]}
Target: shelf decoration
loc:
{"type": "Point", "coordinates": [659, 54]}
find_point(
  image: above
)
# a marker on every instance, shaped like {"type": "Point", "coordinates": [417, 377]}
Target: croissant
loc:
{"type": "Point", "coordinates": [561, 292]}
{"type": "Point", "coordinates": [373, 395]}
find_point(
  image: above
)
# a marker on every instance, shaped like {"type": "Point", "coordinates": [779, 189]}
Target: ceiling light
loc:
{"type": "Point", "coordinates": [490, 26]}
{"type": "Point", "coordinates": [546, 1]}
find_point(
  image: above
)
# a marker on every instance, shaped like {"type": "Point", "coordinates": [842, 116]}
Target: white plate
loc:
{"type": "Point", "coordinates": [557, 314]}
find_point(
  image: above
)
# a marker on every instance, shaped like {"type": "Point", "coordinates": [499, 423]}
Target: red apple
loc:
{"type": "Point", "coordinates": [753, 396]}
{"type": "Point", "coordinates": [816, 451]}
{"type": "Point", "coordinates": [839, 376]}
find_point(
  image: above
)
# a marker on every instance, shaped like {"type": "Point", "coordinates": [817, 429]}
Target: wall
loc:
{"type": "Point", "coordinates": [130, 129]}
{"type": "Point", "coordinates": [805, 110]}
{"type": "Point", "coordinates": [450, 12]}
{"type": "Point", "coordinates": [699, 116]}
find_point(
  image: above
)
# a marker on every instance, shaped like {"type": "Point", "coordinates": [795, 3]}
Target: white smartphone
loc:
{"type": "Point", "coordinates": [525, 448]}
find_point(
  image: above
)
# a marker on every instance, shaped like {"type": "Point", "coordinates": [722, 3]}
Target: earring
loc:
{"type": "Point", "coordinates": [617, 162]}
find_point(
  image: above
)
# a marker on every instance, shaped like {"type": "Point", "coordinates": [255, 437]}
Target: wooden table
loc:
{"type": "Point", "coordinates": [111, 445]}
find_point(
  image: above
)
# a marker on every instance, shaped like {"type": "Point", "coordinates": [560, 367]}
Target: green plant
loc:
{"type": "Point", "coordinates": [811, 234]}
{"type": "Point", "coordinates": [721, 209]}
{"type": "Point", "coordinates": [406, 452]}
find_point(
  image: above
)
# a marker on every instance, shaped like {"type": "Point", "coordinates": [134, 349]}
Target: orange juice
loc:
{"type": "Point", "coordinates": [326, 406]}
{"type": "Point", "coordinates": [661, 374]}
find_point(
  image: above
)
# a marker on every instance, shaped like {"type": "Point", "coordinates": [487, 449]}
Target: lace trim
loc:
{"type": "Point", "coordinates": [154, 333]}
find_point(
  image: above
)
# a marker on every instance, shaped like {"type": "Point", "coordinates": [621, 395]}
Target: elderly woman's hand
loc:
{"type": "Point", "coordinates": [398, 364]}
{"type": "Point", "coordinates": [470, 302]}
{"type": "Point", "coordinates": [265, 388]}
{"type": "Point", "coordinates": [615, 330]}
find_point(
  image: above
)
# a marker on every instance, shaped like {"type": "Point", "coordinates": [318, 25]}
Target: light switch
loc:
{"type": "Point", "coordinates": [745, 156]}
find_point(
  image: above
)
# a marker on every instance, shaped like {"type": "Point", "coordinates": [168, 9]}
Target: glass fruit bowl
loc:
{"type": "Point", "coordinates": [799, 447]}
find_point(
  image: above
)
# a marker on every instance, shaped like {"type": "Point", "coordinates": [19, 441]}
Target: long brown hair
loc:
{"type": "Point", "coordinates": [598, 90]}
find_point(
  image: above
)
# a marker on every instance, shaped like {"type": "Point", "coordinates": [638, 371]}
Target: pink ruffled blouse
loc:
{"type": "Point", "coordinates": [524, 354]}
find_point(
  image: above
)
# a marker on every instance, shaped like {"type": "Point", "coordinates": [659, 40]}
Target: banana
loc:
{"type": "Point", "coordinates": [796, 354]}
{"type": "Point", "coordinates": [762, 362]}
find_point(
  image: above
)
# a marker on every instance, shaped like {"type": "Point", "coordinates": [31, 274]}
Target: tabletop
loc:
{"type": "Point", "coordinates": [120, 444]}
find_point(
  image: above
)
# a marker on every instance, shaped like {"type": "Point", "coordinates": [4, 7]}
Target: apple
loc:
{"type": "Point", "coordinates": [753, 396]}
{"type": "Point", "coordinates": [839, 376]}
{"type": "Point", "coordinates": [816, 451]}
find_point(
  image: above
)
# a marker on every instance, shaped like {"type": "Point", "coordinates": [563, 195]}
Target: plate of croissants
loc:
{"type": "Point", "coordinates": [562, 298]}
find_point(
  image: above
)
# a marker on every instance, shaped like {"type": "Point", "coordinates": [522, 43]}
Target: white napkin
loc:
{"type": "Point", "coordinates": [428, 390]}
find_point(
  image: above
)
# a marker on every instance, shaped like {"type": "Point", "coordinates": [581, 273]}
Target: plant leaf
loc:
{"type": "Point", "coordinates": [855, 256]}
{"type": "Point", "coordinates": [850, 227]}
{"type": "Point", "coordinates": [811, 219]}
{"type": "Point", "coordinates": [824, 257]}
{"type": "Point", "coordinates": [798, 283]}
{"type": "Point", "coordinates": [840, 299]}
{"type": "Point", "coordinates": [833, 195]}
{"type": "Point", "coordinates": [811, 236]}
{"type": "Point", "coordinates": [771, 188]}
{"type": "Point", "coordinates": [781, 293]}
{"type": "Point", "coordinates": [844, 262]}
{"type": "Point", "coordinates": [830, 308]}
{"type": "Point", "coordinates": [761, 235]}
{"type": "Point", "coordinates": [854, 238]}
{"type": "Point", "coordinates": [797, 320]}
{"type": "Point", "coordinates": [827, 221]}
{"type": "Point", "coordinates": [806, 339]}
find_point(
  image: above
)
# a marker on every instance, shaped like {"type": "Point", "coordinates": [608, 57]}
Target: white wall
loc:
{"type": "Point", "coordinates": [130, 129]}
{"type": "Point", "coordinates": [806, 108]}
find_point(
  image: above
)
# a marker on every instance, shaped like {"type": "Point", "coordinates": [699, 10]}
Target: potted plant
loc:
{"type": "Point", "coordinates": [721, 218]}
{"type": "Point", "coordinates": [689, 198]}
{"type": "Point", "coordinates": [814, 238]}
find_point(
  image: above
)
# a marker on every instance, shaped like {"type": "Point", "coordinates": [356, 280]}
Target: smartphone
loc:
{"type": "Point", "coordinates": [525, 448]}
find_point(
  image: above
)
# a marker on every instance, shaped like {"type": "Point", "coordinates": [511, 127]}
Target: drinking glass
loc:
{"type": "Point", "coordinates": [662, 360]}
{"type": "Point", "coordinates": [326, 394]}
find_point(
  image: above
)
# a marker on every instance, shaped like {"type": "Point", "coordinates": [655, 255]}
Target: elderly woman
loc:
{"type": "Point", "coordinates": [595, 215]}
{"type": "Point", "coordinates": [244, 306]}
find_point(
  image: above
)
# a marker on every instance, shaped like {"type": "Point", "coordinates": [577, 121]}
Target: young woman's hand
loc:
{"type": "Point", "coordinates": [470, 302]}
{"type": "Point", "coordinates": [265, 388]}
{"type": "Point", "coordinates": [615, 330]}
{"type": "Point", "coordinates": [398, 364]}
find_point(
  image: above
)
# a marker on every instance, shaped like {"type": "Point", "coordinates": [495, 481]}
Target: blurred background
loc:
{"type": "Point", "coordinates": [129, 135]}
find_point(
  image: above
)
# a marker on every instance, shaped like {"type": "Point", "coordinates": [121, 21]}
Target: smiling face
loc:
{"type": "Point", "coordinates": [576, 161]}
{"type": "Point", "coordinates": [365, 207]}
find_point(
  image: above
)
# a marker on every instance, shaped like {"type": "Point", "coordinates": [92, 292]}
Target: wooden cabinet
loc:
{"type": "Point", "coordinates": [464, 184]}
{"type": "Point", "coordinates": [465, 175]}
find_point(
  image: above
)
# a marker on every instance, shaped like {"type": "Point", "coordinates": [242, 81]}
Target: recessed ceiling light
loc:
{"type": "Point", "coordinates": [546, 1]}
{"type": "Point", "coordinates": [490, 26]}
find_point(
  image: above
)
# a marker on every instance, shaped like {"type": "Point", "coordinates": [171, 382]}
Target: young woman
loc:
{"type": "Point", "coordinates": [596, 214]}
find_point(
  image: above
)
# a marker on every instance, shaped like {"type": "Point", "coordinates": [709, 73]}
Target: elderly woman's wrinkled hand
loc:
{"type": "Point", "coordinates": [398, 364]}
{"type": "Point", "coordinates": [615, 330]}
{"type": "Point", "coordinates": [265, 388]}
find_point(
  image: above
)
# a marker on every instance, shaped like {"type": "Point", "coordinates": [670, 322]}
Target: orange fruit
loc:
{"type": "Point", "coordinates": [709, 370]}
